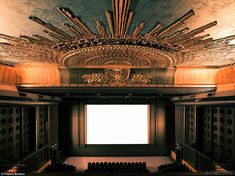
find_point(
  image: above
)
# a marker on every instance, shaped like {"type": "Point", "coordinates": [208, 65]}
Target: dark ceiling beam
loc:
{"type": "Point", "coordinates": [44, 39]}
{"type": "Point", "coordinates": [51, 27]}
{"type": "Point", "coordinates": [78, 22]}
{"type": "Point", "coordinates": [194, 32]}
{"type": "Point", "coordinates": [56, 36]}
{"type": "Point", "coordinates": [31, 39]}
{"type": "Point", "coordinates": [155, 30]}
{"type": "Point", "coordinates": [137, 30]}
{"type": "Point", "coordinates": [100, 29]}
{"type": "Point", "coordinates": [176, 34]}
{"type": "Point", "coordinates": [175, 24]}
{"type": "Point", "coordinates": [129, 19]}
{"type": "Point", "coordinates": [73, 30]}
{"type": "Point", "coordinates": [110, 22]}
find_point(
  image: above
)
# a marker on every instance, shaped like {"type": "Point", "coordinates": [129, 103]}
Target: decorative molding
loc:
{"type": "Point", "coordinates": [138, 78]}
{"type": "Point", "coordinates": [124, 85]}
{"type": "Point", "coordinates": [227, 65]}
{"type": "Point", "coordinates": [101, 56]}
{"type": "Point", "coordinates": [75, 75]}
{"type": "Point", "coordinates": [113, 85]}
{"type": "Point", "coordinates": [94, 78]}
{"type": "Point", "coordinates": [116, 76]}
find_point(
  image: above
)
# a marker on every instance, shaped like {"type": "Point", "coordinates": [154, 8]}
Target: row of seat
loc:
{"type": "Point", "coordinates": [59, 168]}
{"type": "Point", "coordinates": [116, 167]}
{"type": "Point", "coordinates": [173, 167]}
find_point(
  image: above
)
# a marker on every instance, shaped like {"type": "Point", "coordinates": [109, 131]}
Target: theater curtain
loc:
{"type": "Point", "coordinates": [78, 129]}
{"type": "Point", "coordinates": [152, 123]}
{"type": "Point", "coordinates": [157, 123]}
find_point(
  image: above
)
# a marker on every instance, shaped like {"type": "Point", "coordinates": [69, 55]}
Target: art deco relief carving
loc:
{"type": "Point", "coordinates": [99, 56]}
{"type": "Point", "coordinates": [98, 76]}
{"type": "Point", "coordinates": [138, 78]}
{"type": "Point", "coordinates": [117, 76]}
{"type": "Point", "coordinates": [94, 78]}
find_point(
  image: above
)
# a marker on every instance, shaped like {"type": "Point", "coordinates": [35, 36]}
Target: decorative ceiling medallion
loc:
{"type": "Point", "coordinates": [99, 56]}
{"type": "Point", "coordinates": [161, 46]}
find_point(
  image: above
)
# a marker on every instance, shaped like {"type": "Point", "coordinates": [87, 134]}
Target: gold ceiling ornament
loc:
{"type": "Point", "coordinates": [101, 57]}
{"type": "Point", "coordinates": [94, 78]}
{"type": "Point", "coordinates": [117, 76]}
{"type": "Point", "coordinates": [138, 78]}
{"type": "Point", "coordinates": [160, 47]}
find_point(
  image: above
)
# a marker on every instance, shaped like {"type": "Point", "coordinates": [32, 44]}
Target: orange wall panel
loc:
{"type": "Point", "coordinates": [195, 76]}
{"type": "Point", "coordinates": [8, 75]}
{"type": "Point", "coordinates": [225, 75]}
{"type": "Point", "coordinates": [46, 74]}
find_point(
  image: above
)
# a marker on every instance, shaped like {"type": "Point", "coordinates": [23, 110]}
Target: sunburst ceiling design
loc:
{"type": "Point", "coordinates": [160, 47]}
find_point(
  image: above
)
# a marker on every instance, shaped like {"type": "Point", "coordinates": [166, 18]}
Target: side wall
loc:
{"type": "Point", "coordinates": [206, 135]}
{"type": "Point", "coordinates": [26, 134]}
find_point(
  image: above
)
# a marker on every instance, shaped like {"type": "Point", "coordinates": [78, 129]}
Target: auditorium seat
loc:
{"type": "Point", "coordinates": [116, 167]}
{"type": "Point", "coordinates": [59, 168]}
{"type": "Point", "coordinates": [173, 167]}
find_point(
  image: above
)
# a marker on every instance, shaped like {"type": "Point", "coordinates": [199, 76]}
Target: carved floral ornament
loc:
{"type": "Point", "coordinates": [117, 76]}
{"type": "Point", "coordinates": [160, 47]}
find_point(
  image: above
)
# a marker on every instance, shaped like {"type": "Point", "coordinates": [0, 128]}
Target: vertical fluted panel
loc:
{"type": "Point", "coordinates": [8, 74]}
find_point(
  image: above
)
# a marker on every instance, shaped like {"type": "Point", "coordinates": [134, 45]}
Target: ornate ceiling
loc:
{"type": "Point", "coordinates": [118, 33]}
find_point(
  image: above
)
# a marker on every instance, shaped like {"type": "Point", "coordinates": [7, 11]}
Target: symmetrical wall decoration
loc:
{"type": "Point", "coordinates": [94, 78]}
{"type": "Point", "coordinates": [116, 76]}
{"type": "Point", "coordinates": [161, 47]}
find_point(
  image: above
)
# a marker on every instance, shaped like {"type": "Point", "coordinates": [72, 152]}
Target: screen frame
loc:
{"type": "Point", "coordinates": [148, 124]}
